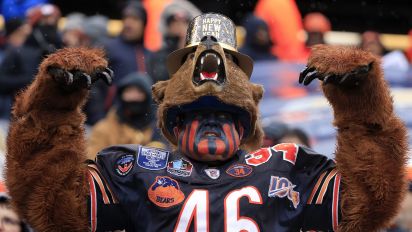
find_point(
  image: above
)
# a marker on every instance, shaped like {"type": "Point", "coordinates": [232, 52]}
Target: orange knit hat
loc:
{"type": "Point", "coordinates": [316, 22]}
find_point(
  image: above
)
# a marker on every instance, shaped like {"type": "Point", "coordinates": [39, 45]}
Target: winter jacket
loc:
{"type": "Point", "coordinates": [111, 131]}
{"type": "Point", "coordinates": [115, 129]}
{"type": "Point", "coordinates": [19, 65]}
{"type": "Point", "coordinates": [126, 57]}
{"type": "Point", "coordinates": [251, 48]}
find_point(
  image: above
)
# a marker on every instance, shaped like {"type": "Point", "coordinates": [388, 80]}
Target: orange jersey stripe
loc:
{"type": "Point", "coordinates": [114, 199]}
{"type": "Point", "coordinates": [335, 203]}
{"type": "Point", "coordinates": [315, 189]}
{"type": "Point", "coordinates": [93, 203]}
{"type": "Point", "coordinates": [322, 192]}
{"type": "Point", "coordinates": [101, 186]}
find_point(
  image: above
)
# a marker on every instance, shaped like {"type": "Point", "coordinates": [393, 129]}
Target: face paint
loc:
{"type": "Point", "coordinates": [209, 136]}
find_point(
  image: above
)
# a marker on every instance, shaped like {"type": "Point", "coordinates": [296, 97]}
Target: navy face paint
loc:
{"type": "Point", "coordinates": [208, 136]}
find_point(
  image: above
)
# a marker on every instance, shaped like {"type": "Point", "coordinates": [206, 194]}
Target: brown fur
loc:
{"type": "Point", "coordinates": [238, 91]}
{"type": "Point", "coordinates": [371, 141]}
{"type": "Point", "coordinates": [46, 148]}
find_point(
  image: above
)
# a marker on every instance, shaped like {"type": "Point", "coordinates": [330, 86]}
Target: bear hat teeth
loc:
{"type": "Point", "coordinates": [209, 63]}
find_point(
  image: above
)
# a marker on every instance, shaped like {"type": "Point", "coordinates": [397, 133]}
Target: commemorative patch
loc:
{"type": "Point", "coordinates": [180, 167]}
{"type": "Point", "coordinates": [124, 164]}
{"type": "Point", "coordinates": [165, 192]}
{"type": "Point", "coordinates": [282, 187]}
{"type": "Point", "coordinates": [152, 158]}
{"type": "Point", "coordinates": [239, 170]}
{"type": "Point", "coordinates": [213, 173]}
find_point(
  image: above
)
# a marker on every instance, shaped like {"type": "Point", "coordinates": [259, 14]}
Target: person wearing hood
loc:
{"type": "Point", "coordinates": [174, 22]}
{"type": "Point", "coordinates": [19, 65]}
{"type": "Point", "coordinates": [130, 120]}
{"type": "Point", "coordinates": [258, 43]}
{"type": "Point", "coordinates": [126, 52]}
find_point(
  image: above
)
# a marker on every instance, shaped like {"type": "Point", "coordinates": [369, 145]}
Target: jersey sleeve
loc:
{"type": "Point", "coordinates": [322, 209]}
{"type": "Point", "coordinates": [316, 182]}
{"type": "Point", "coordinates": [105, 212]}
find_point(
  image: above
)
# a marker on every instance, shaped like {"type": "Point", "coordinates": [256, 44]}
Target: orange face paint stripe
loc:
{"type": "Point", "coordinates": [184, 140]}
{"type": "Point", "coordinates": [220, 147]}
{"type": "Point", "coordinates": [236, 139]}
{"type": "Point", "coordinates": [192, 133]}
{"type": "Point", "coordinates": [229, 135]}
{"type": "Point", "coordinates": [203, 146]}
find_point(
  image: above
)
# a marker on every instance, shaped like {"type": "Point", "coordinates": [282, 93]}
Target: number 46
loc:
{"type": "Point", "coordinates": [196, 207]}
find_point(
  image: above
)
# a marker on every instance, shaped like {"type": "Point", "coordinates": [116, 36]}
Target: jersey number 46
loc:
{"type": "Point", "coordinates": [196, 207]}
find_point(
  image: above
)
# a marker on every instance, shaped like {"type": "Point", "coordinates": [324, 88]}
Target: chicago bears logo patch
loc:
{"type": "Point", "coordinates": [180, 167]}
{"type": "Point", "coordinates": [124, 164]}
{"type": "Point", "coordinates": [281, 187]}
{"type": "Point", "coordinates": [239, 170]}
{"type": "Point", "coordinates": [152, 158]}
{"type": "Point", "coordinates": [165, 192]}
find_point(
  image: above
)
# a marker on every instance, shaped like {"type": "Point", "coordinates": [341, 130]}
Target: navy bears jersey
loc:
{"type": "Point", "coordinates": [282, 188]}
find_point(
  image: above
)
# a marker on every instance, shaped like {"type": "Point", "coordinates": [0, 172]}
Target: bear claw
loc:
{"type": "Point", "coordinates": [76, 78]}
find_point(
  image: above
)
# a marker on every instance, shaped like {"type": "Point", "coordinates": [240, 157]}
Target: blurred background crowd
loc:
{"type": "Point", "coordinates": [138, 35]}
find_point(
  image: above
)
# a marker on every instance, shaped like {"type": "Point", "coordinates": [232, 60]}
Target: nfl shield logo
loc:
{"type": "Point", "coordinates": [212, 173]}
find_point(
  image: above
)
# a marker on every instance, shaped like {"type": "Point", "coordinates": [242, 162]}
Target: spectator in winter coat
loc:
{"type": "Point", "coordinates": [131, 120]}
{"type": "Point", "coordinates": [173, 24]}
{"type": "Point", "coordinates": [20, 64]}
{"type": "Point", "coordinates": [126, 52]}
{"type": "Point", "coordinates": [258, 44]}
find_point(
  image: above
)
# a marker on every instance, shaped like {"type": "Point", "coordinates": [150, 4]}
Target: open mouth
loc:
{"type": "Point", "coordinates": [209, 67]}
{"type": "Point", "coordinates": [211, 134]}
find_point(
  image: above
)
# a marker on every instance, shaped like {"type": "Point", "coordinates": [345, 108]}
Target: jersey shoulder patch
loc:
{"type": "Point", "coordinates": [152, 158]}
{"type": "Point", "coordinates": [119, 159]}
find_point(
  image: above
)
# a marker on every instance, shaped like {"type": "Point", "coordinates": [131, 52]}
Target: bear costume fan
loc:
{"type": "Point", "coordinates": [217, 178]}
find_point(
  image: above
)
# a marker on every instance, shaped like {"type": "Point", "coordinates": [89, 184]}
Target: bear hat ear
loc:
{"type": "Point", "coordinates": [158, 91]}
{"type": "Point", "coordinates": [257, 91]}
